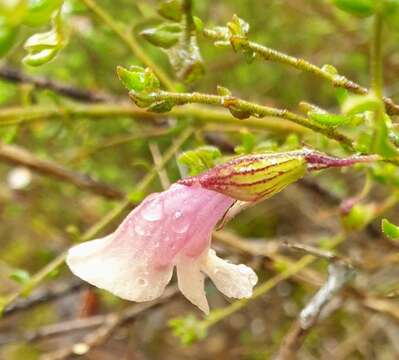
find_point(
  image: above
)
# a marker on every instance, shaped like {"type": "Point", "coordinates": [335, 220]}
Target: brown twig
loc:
{"type": "Point", "coordinates": [17, 76]}
{"type": "Point", "coordinates": [109, 324]}
{"type": "Point", "coordinates": [43, 295]}
{"type": "Point", "coordinates": [338, 276]}
{"type": "Point", "coordinates": [19, 156]}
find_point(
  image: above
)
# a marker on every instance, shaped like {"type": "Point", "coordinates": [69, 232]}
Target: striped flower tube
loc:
{"type": "Point", "coordinates": [253, 177]}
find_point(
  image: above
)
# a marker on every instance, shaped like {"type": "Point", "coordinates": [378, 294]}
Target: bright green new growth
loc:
{"type": "Point", "coordinates": [200, 159]}
{"type": "Point", "coordinates": [389, 229]}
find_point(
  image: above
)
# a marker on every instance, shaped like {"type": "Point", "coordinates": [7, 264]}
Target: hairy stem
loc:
{"type": "Point", "coordinates": [253, 109]}
{"type": "Point", "coordinates": [336, 79]}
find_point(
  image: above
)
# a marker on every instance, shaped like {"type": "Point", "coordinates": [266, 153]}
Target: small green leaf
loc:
{"type": "Point", "coordinates": [390, 230]}
{"type": "Point", "coordinates": [188, 329]}
{"type": "Point", "coordinates": [20, 276]}
{"type": "Point", "coordinates": [355, 104]}
{"type": "Point", "coordinates": [247, 143]}
{"type": "Point", "coordinates": [331, 120]}
{"type": "Point", "coordinates": [341, 95]}
{"type": "Point", "coordinates": [292, 142]}
{"type": "Point", "coordinates": [164, 36]}
{"type": "Point", "coordinates": [12, 12]}
{"type": "Point", "coordinates": [381, 142]}
{"type": "Point", "coordinates": [44, 47]}
{"type": "Point", "coordinates": [142, 99]}
{"type": "Point", "coordinates": [171, 10]}
{"type": "Point", "coordinates": [161, 106]}
{"type": "Point", "coordinates": [8, 37]}
{"type": "Point", "coordinates": [138, 79]}
{"type": "Point", "coordinates": [329, 69]}
{"type": "Point", "coordinates": [40, 57]}
{"type": "Point", "coordinates": [238, 27]}
{"type": "Point", "coordinates": [199, 25]}
{"type": "Point", "coordinates": [358, 217]}
{"type": "Point", "coordinates": [361, 8]}
{"type": "Point", "coordinates": [200, 159]}
{"type": "Point", "coordinates": [39, 11]}
{"type": "Point", "coordinates": [222, 91]}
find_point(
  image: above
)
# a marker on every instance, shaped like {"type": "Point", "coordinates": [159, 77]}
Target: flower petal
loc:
{"type": "Point", "coordinates": [191, 282]}
{"type": "Point", "coordinates": [105, 264]}
{"type": "Point", "coordinates": [236, 281]}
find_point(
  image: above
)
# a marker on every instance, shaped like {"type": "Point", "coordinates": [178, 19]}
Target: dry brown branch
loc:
{"type": "Point", "coordinates": [17, 76]}
{"type": "Point", "coordinates": [19, 156]}
{"type": "Point", "coordinates": [109, 323]}
{"type": "Point", "coordinates": [43, 295]}
{"type": "Point", "coordinates": [338, 275]}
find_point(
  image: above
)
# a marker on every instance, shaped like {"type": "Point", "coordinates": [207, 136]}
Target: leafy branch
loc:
{"type": "Point", "coordinates": [235, 36]}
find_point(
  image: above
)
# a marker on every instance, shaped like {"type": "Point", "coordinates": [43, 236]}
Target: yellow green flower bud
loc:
{"type": "Point", "coordinates": [253, 177]}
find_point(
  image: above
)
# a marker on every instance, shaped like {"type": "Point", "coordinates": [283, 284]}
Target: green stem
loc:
{"type": "Point", "coordinates": [100, 225]}
{"type": "Point", "coordinates": [269, 54]}
{"type": "Point", "coordinates": [200, 114]}
{"type": "Point", "coordinates": [376, 57]}
{"type": "Point", "coordinates": [131, 42]}
{"type": "Point", "coordinates": [253, 109]}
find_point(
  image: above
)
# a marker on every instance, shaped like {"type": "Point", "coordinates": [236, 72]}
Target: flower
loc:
{"type": "Point", "coordinates": [168, 229]}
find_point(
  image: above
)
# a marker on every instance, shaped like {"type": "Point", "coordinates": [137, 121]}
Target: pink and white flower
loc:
{"type": "Point", "coordinates": [168, 229]}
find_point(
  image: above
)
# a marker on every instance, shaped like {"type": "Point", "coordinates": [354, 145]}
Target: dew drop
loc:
{"type": "Point", "coordinates": [139, 229]}
{"type": "Point", "coordinates": [180, 223]}
{"type": "Point", "coordinates": [245, 270]}
{"type": "Point", "coordinates": [152, 211]}
{"type": "Point", "coordinates": [142, 282]}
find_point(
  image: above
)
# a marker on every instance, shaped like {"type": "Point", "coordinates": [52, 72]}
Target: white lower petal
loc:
{"type": "Point", "coordinates": [236, 281]}
{"type": "Point", "coordinates": [191, 282]}
{"type": "Point", "coordinates": [112, 268]}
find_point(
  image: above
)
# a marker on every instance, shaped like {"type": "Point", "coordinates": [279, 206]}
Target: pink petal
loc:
{"type": "Point", "coordinates": [136, 261]}
{"type": "Point", "coordinates": [110, 267]}
{"type": "Point", "coordinates": [191, 282]}
{"type": "Point", "coordinates": [236, 281]}
{"type": "Point", "coordinates": [178, 219]}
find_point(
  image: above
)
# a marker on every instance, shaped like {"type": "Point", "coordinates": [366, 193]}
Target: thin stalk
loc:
{"type": "Point", "coordinates": [253, 109]}
{"type": "Point", "coordinates": [201, 114]}
{"type": "Point", "coordinates": [376, 56]}
{"type": "Point", "coordinates": [336, 79]}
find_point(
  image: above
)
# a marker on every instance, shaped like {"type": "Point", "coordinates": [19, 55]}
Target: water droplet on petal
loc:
{"type": "Point", "coordinates": [142, 282]}
{"type": "Point", "coordinates": [180, 222]}
{"type": "Point", "coordinates": [152, 210]}
{"type": "Point", "coordinates": [139, 229]}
